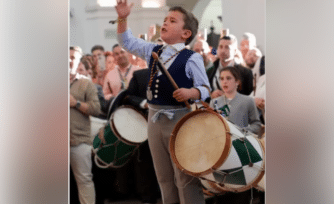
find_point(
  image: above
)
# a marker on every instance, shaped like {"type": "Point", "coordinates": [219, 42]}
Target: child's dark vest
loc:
{"type": "Point", "coordinates": [161, 88]}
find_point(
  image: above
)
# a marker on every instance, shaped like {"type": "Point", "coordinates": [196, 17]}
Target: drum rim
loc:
{"type": "Point", "coordinates": [214, 186]}
{"type": "Point", "coordinates": [117, 134]}
{"type": "Point", "coordinates": [223, 156]}
{"type": "Point", "coordinates": [263, 146]}
{"type": "Point", "coordinates": [256, 181]}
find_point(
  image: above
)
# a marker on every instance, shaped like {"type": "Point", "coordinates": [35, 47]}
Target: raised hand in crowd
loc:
{"type": "Point", "coordinates": [123, 9]}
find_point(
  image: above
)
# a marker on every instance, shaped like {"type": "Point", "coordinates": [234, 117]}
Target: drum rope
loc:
{"type": "Point", "coordinates": [108, 145]}
{"type": "Point", "coordinates": [115, 158]}
{"type": "Point", "coordinates": [251, 201]}
{"type": "Point", "coordinates": [248, 154]}
{"type": "Point", "coordinates": [235, 135]}
{"type": "Point", "coordinates": [176, 183]}
{"type": "Point", "coordinates": [224, 173]}
{"type": "Point", "coordinates": [111, 164]}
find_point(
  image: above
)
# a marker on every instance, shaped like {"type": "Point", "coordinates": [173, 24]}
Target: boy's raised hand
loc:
{"type": "Point", "coordinates": [123, 9]}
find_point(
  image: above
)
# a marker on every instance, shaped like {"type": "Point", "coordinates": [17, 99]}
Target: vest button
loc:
{"type": "Point", "coordinates": [157, 81]}
{"type": "Point", "coordinates": [155, 96]}
{"type": "Point", "coordinates": [156, 86]}
{"type": "Point", "coordinates": [156, 91]}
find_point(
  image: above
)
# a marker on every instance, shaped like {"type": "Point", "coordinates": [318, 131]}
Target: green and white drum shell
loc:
{"type": "Point", "coordinates": [242, 176]}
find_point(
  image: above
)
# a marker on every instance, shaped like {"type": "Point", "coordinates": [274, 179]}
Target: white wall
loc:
{"type": "Point", "coordinates": [77, 34]}
{"type": "Point", "coordinates": [245, 16]}
{"type": "Point", "coordinates": [210, 13]}
{"type": "Point", "coordinates": [90, 22]}
{"type": "Point", "coordinates": [87, 28]}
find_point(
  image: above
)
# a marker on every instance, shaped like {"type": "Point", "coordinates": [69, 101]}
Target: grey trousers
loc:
{"type": "Point", "coordinates": [184, 189]}
{"type": "Point", "coordinates": [81, 163]}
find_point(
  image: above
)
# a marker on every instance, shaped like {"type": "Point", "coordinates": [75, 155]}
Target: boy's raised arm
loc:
{"type": "Point", "coordinates": [123, 10]}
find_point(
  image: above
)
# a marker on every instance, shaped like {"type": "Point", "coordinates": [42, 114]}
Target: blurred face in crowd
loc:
{"type": "Point", "coordinates": [97, 54]}
{"type": "Point", "coordinates": [198, 47]}
{"type": "Point", "coordinates": [81, 69]}
{"type": "Point", "coordinates": [110, 62]}
{"type": "Point", "coordinates": [121, 56]}
{"type": "Point", "coordinates": [251, 58]}
{"type": "Point", "coordinates": [244, 47]}
{"type": "Point", "coordinates": [172, 29]}
{"type": "Point", "coordinates": [74, 59]}
{"type": "Point", "coordinates": [226, 51]}
{"type": "Point", "coordinates": [228, 82]}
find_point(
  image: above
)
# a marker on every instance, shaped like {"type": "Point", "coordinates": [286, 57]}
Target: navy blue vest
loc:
{"type": "Point", "coordinates": [161, 88]}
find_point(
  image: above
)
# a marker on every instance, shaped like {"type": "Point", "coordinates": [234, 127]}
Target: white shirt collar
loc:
{"type": "Point", "coordinates": [80, 76]}
{"type": "Point", "coordinates": [176, 47]}
{"type": "Point", "coordinates": [231, 64]}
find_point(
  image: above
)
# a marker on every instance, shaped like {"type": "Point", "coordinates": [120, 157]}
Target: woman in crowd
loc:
{"type": "Point", "coordinates": [237, 108]}
{"type": "Point", "coordinates": [110, 62]}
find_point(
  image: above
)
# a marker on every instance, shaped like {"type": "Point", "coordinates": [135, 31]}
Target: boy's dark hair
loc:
{"type": "Point", "coordinates": [190, 22]}
{"type": "Point", "coordinates": [97, 47]}
{"type": "Point", "coordinates": [234, 72]}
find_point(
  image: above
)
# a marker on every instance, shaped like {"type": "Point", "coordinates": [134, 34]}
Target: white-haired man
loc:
{"type": "Point", "coordinates": [202, 47]}
{"type": "Point", "coordinates": [248, 41]}
{"type": "Point", "coordinates": [254, 60]}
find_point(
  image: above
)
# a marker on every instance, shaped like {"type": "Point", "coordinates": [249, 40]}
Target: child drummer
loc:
{"type": "Point", "coordinates": [166, 105]}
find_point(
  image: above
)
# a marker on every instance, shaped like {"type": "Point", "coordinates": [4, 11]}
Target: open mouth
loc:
{"type": "Point", "coordinates": [163, 30]}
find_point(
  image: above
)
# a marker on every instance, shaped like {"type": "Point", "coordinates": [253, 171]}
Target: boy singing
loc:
{"type": "Point", "coordinates": [166, 105]}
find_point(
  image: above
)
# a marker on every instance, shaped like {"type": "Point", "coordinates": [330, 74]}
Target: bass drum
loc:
{"type": "Point", "coordinates": [205, 145]}
{"type": "Point", "coordinates": [117, 142]}
{"type": "Point", "coordinates": [98, 123]}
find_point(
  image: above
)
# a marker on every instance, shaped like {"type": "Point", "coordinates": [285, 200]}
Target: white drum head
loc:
{"type": "Point", "coordinates": [200, 142]}
{"type": "Point", "coordinates": [130, 124]}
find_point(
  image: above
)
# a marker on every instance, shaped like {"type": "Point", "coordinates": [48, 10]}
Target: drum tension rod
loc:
{"type": "Point", "coordinates": [224, 174]}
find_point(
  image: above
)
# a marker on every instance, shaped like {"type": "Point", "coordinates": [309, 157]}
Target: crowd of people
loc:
{"type": "Point", "coordinates": [230, 79]}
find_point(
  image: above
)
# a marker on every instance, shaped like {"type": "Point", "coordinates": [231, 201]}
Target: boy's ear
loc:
{"type": "Point", "coordinates": [186, 34]}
